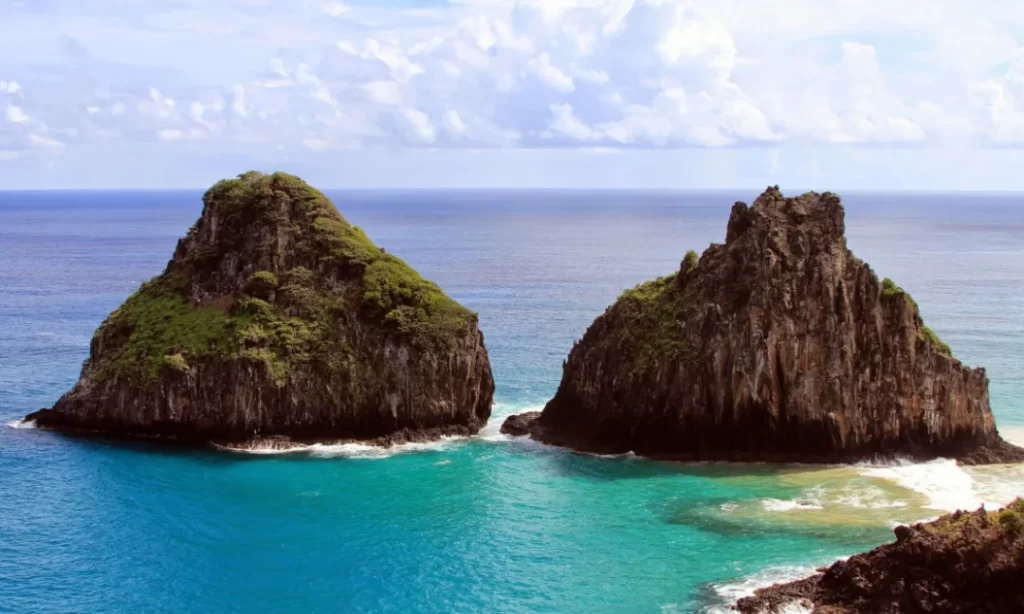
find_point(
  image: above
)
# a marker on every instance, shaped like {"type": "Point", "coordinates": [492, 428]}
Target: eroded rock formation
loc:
{"type": "Point", "coordinates": [275, 319]}
{"type": "Point", "coordinates": [963, 563]}
{"type": "Point", "coordinates": [779, 345]}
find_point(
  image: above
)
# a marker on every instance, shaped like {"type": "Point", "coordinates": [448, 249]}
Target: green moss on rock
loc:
{"type": "Point", "coordinates": [927, 334]}
{"type": "Point", "coordinates": [261, 284]}
{"type": "Point", "coordinates": [157, 322]}
{"type": "Point", "coordinates": [281, 318]}
{"type": "Point", "coordinates": [690, 261]}
{"type": "Point", "coordinates": [649, 317]}
{"type": "Point", "coordinates": [889, 288]}
{"type": "Point", "coordinates": [1011, 522]}
{"type": "Point", "coordinates": [411, 304]}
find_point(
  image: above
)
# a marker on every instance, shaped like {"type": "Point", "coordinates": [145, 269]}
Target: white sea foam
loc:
{"type": "Point", "coordinates": [492, 430]}
{"type": "Point", "coordinates": [22, 424]}
{"type": "Point", "coordinates": [780, 505]}
{"type": "Point", "coordinates": [731, 592]}
{"type": "Point", "coordinates": [946, 484]}
{"type": "Point", "coordinates": [360, 451]}
{"type": "Point", "coordinates": [866, 497]}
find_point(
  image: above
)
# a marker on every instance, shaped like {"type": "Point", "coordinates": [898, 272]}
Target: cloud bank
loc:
{"type": "Point", "coordinates": [306, 80]}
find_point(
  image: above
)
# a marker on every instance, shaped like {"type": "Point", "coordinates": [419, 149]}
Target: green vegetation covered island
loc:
{"type": "Point", "coordinates": [277, 319]}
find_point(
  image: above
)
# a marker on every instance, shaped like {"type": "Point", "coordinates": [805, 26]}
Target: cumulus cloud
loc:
{"type": "Point", "coordinates": [550, 75]}
{"type": "Point", "coordinates": [595, 74]}
{"type": "Point", "coordinates": [16, 115]}
{"type": "Point", "coordinates": [419, 125]}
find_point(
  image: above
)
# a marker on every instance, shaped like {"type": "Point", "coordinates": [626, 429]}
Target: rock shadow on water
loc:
{"type": "Point", "coordinates": [629, 466]}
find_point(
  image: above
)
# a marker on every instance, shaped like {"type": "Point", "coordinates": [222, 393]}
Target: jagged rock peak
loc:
{"type": "Point", "coordinates": [772, 211]}
{"type": "Point", "coordinates": [778, 345]}
{"type": "Point", "coordinates": [278, 318]}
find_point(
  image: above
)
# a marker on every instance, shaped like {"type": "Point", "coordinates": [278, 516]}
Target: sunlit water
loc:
{"type": "Point", "coordinates": [482, 525]}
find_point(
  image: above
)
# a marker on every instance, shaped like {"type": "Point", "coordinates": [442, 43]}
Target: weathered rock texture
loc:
{"type": "Point", "coordinates": [277, 318]}
{"type": "Point", "coordinates": [963, 563]}
{"type": "Point", "coordinates": [779, 345]}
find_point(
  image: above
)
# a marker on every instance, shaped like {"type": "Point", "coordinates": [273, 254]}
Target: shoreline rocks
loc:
{"type": "Point", "coordinates": [276, 318]}
{"type": "Point", "coordinates": [965, 562]}
{"type": "Point", "coordinates": [779, 345]}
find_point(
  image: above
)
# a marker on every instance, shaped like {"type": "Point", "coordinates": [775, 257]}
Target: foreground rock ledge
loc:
{"type": "Point", "coordinates": [779, 345]}
{"type": "Point", "coordinates": [277, 320]}
{"type": "Point", "coordinates": [963, 563]}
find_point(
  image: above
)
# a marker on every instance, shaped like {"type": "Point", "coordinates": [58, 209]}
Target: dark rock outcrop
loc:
{"type": "Point", "coordinates": [277, 319]}
{"type": "Point", "coordinates": [963, 563]}
{"type": "Point", "coordinates": [779, 345]}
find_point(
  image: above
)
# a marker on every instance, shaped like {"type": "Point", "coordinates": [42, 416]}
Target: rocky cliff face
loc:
{"type": "Point", "coordinates": [779, 345]}
{"type": "Point", "coordinates": [276, 317]}
{"type": "Point", "coordinates": [963, 563]}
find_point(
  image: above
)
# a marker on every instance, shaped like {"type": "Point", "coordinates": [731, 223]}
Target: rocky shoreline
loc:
{"type": "Point", "coordinates": [962, 563]}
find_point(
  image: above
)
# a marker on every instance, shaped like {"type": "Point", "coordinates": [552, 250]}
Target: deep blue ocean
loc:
{"type": "Point", "coordinates": [481, 525]}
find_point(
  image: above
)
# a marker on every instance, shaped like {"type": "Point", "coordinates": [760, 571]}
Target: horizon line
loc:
{"type": "Point", "coordinates": [1007, 192]}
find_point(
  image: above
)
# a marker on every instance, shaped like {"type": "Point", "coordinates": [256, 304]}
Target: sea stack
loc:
{"type": "Point", "coordinates": [778, 345]}
{"type": "Point", "coordinates": [277, 320]}
{"type": "Point", "coordinates": [966, 562]}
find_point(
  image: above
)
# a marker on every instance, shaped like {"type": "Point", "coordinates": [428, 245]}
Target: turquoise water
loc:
{"type": "Point", "coordinates": [485, 525]}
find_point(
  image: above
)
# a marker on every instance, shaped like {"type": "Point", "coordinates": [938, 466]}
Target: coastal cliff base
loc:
{"type": "Point", "coordinates": [962, 563]}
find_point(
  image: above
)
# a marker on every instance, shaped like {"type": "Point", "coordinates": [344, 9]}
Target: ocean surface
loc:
{"type": "Point", "coordinates": [481, 525]}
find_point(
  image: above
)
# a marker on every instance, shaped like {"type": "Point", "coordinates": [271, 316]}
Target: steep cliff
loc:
{"type": "Point", "coordinates": [779, 345]}
{"type": "Point", "coordinates": [963, 563]}
{"type": "Point", "coordinates": [277, 318]}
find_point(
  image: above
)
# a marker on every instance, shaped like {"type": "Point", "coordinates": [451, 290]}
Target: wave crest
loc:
{"type": "Point", "coordinates": [22, 424]}
{"type": "Point", "coordinates": [731, 592]}
{"type": "Point", "coordinates": [360, 451]}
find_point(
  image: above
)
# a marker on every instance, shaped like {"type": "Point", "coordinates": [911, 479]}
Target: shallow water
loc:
{"type": "Point", "coordinates": [488, 524]}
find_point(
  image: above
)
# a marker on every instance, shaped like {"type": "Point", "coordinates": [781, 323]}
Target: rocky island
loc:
{"type": "Point", "coordinates": [962, 563]}
{"type": "Point", "coordinates": [278, 321]}
{"type": "Point", "coordinates": [778, 345]}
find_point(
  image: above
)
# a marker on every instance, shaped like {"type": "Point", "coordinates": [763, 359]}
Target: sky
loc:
{"type": "Point", "coordinates": [824, 94]}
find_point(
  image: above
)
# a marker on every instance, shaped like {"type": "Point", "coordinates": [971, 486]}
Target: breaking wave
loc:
{"type": "Point", "coordinates": [359, 451]}
{"type": "Point", "coordinates": [22, 424]}
{"type": "Point", "coordinates": [946, 485]}
{"type": "Point", "coordinates": [728, 593]}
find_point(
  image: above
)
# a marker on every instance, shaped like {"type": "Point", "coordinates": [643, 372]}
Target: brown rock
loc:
{"type": "Point", "coordinates": [278, 321]}
{"type": "Point", "coordinates": [959, 564]}
{"type": "Point", "coordinates": [779, 345]}
{"type": "Point", "coordinates": [519, 424]}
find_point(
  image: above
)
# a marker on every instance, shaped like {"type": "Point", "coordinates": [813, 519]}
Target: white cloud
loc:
{"type": "Point", "coordinates": [396, 61]}
{"type": "Point", "coordinates": [16, 116]}
{"type": "Point", "coordinates": [565, 123]}
{"type": "Point", "coordinates": [745, 121]}
{"type": "Point", "coordinates": [546, 73]}
{"type": "Point", "coordinates": [41, 141]}
{"type": "Point", "coordinates": [336, 9]}
{"type": "Point", "coordinates": [551, 75]}
{"type": "Point", "coordinates": [599, 77]}
{"type": "Point", "coordinates": [453, 123]}
{"type": "Point", "coordinates": [238, 105]}
{"type": "Point", "coordinates": [419, 123]}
